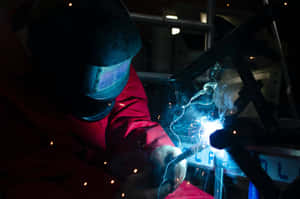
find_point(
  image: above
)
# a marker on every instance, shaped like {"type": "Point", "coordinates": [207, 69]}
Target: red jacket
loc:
{"type": "Point", "coordinates": [45, 154]}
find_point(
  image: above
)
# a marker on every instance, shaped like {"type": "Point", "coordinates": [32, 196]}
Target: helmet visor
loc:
{"type": "Point", "coordinates": [106, 82]}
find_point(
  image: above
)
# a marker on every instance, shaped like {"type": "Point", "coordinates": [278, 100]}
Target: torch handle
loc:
{"type": "Point", "coordinates": [187, 153]}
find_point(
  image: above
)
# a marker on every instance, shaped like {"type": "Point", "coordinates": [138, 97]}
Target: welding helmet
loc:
{"type": "Point", "coordinates": [85, 49]}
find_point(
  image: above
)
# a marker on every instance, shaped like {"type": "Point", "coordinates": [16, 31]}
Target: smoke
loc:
{"type": "Point", "coordinates": [224, 99]}
{"type": "Point", "coordinates": [203, 114]}
{"type": "Point", "coordinates": [206, 108]}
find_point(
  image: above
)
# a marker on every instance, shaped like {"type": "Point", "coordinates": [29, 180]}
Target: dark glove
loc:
{"type": "Point", "coordinates": [147, 183]}
{"type": "Point", "coordinates": [168, 175]}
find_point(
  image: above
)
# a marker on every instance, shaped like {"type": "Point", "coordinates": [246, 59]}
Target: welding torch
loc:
{"type": "Point", "coordinates": [187, 153]}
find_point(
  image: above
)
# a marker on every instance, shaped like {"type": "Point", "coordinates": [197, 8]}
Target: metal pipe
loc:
{"type": "Point", "coordinates": [211, 12]}
{"type": "Point", "coordinates": [219, 173]}
{"type": "Point", "coordinates": [158, 20]}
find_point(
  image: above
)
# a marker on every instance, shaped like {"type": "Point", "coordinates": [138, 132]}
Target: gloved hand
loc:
{"type": "Point", "coordinates": [146, 184]}
{"type": "Point", "coordinates": [174, 175]}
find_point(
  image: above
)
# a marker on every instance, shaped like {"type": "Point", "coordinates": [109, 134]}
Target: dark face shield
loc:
{"type": "Point", "coordinates": [106, 82]}
{"type": "Point", "coordinates": [102, 84]}
{"type": "Point", "coordinates": [85, 50]}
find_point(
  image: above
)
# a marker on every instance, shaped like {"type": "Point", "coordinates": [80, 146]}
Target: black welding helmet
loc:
{"type": "Point", "coordinates": [85, 49]}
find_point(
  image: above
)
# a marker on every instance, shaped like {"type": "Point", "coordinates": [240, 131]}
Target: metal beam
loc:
{"type": "Point", "coordinates": [163, 21]}
{"type": "Point", "coordinates": [211, 13]}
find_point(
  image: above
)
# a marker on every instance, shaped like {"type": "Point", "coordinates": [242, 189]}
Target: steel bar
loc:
{"type": "Point", "coordinates": [211, 12]}
{"type": "Point", "coordinates": [161, 20]}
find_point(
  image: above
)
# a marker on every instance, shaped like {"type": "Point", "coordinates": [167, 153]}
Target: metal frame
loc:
{"type": "Point", "coordinates": [270, 133]}
{"type": "Point", "coordinates": [185, 24]}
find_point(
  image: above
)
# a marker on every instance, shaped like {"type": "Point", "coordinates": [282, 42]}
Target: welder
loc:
{"type": "Point", "coordinates": [74, 116]}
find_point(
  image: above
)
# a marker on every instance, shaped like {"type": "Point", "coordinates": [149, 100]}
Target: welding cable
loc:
{"type": "Point", "coordinates": [187, 153]}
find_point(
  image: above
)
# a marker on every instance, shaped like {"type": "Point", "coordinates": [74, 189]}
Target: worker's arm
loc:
{"type": "Point", "coordinates": [137, 142]}
{"type": "Point", "coordinates": [130, 125]}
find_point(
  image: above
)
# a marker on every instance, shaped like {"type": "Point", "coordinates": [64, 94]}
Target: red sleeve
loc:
{"type": "Point", "coordinates": [130, 126]}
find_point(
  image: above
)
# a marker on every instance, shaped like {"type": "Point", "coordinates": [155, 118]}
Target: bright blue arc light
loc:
{"type": "Point", "coordinates": [208, 127]}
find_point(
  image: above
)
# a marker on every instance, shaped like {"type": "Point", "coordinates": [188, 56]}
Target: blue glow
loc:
{"type": "Point", "coordinates": [252, 192]}
{"type": "Point", "coordinates": [193, 122]}
{"type": "Point", "coordinates": [208, 127]}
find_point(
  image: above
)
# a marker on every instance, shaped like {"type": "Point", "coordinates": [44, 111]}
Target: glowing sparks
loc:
{"type": "Point", "coordinates": [51, 143]}
{"type": "Point", "coordinates": [85, 184]}
{"type": "Point", "coordinates": [105, 163]}
{"type": "Point", "coordinates": [135, 170]}
{"type": "Point", "coordinates": [112, 182]}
